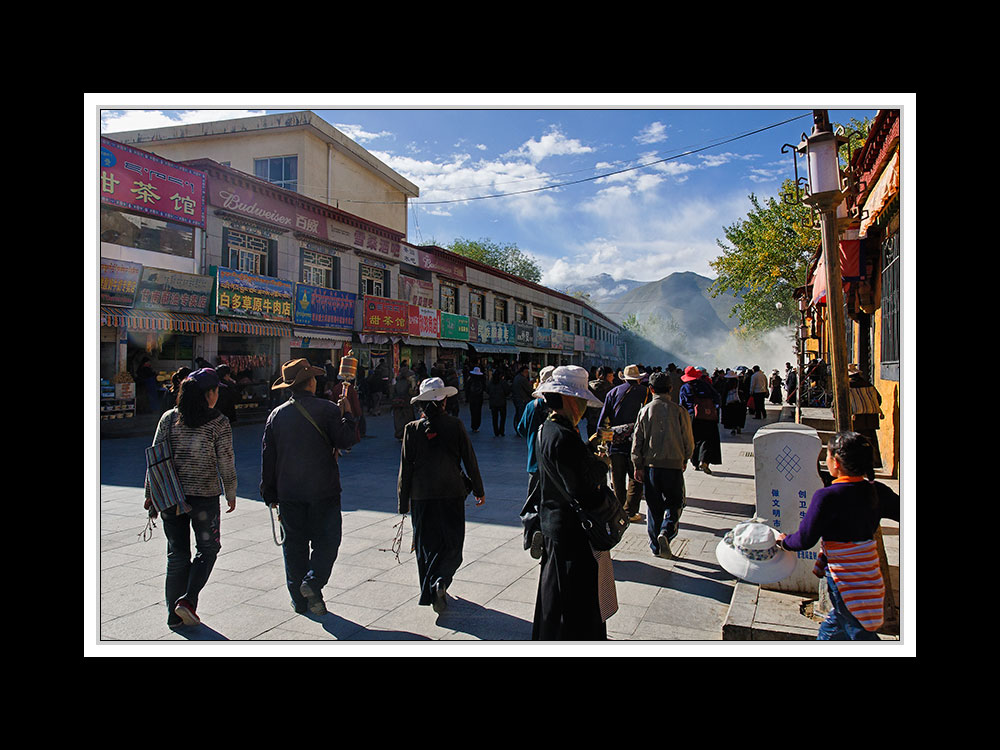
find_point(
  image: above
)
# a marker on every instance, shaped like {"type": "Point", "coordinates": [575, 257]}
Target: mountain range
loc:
{"type": "Point", "coordinates": [680, 319]}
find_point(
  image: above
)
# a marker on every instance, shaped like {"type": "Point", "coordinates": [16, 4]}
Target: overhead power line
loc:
{"type": "Point", "coordinates": [601, 176]}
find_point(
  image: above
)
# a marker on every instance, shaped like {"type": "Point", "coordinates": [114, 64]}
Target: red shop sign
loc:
{"type": "Point", "coordinates": [386, 316]}
{"type": "Point", "coordinates": [140, 181]}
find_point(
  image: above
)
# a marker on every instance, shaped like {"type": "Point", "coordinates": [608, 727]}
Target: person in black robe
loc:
{"type": "Point", "coordinates": [432, 488]}
{"type": "Point", "coordinates": [734, 409]}
{"type": "Point", "coordinates": [568, 605]}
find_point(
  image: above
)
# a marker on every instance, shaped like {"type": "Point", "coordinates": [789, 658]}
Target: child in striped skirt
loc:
{"type": "Point", "coordinates": [845, 517]}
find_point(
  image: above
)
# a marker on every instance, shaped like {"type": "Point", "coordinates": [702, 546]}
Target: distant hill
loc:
{"type": "Point", "coordinates": [682, 321]}
{"type": "Point", "coordinates": [681, 297]}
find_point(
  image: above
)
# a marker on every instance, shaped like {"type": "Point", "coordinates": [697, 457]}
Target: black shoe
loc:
{"type": "Point", "coordinates": [664, 544]}
{"type": "Point", "coordinates": [440, 603]}
{"type": "Point", "coordinates": [537, 542]}
{"type": "Point", "coordinates": [314, 602]}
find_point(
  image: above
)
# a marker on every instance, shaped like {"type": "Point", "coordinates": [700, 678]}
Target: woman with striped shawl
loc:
{"type": "Point", "coordinates": [845, 517]}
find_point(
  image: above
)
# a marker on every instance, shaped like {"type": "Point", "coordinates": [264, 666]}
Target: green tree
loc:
{"type": "Point", "coordinates": [505, 257]}
{"type": "Point", "coordinates": [767, 258]}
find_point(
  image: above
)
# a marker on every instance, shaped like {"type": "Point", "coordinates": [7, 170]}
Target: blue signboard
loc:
{"type": "Point", "coordinates": [323, 308]}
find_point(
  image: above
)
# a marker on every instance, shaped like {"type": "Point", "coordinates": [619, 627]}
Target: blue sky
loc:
{"type": "Point", "coordinates": [479, 167]}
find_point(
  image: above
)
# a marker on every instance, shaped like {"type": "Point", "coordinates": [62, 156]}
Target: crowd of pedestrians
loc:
{"type": "Point", "coordinates": [643, 427]}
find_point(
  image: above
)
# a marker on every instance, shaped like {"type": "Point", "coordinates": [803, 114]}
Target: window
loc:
{"type": "Point", "coordinates": [476, 302]}
{"type": "Point", "coordinates": [146, 233]}
{"type": "Point", "coordinates": [318, 269]}
{"type": "Point", "coordinates": [520, 312]}
{"type": "Point", "coordinates": [449, 299]}
{"type": "Point", "coordinates": [566, 323]}
{"type": "Point", "coordinates": [500, 310]}
{"type": "Point", "coordinates": [282, 171]}
{"type": "Point", "coordinates": [247, 252]}
{"type": "Point", "coordinates": [576, 326]}
{"type": "Point", "coordinates": [372, 281]}
{"type": "Point", "coordinates": [890, 307]}
{"type": "Point", "coordinates": [553, 321]}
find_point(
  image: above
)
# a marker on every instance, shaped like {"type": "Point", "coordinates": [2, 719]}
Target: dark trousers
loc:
{"type": "Point", "coordinates": [567, 605]}
{"type": "Point", "coordinates": [475, 411]}
{"type": "Point", "coordinates": [318, 525]}
{"type": "Point", "coordinates": [186, 577]}
{"type": "Point", "coordinates": [664, 490]}
{"type": "Point", "coordinates": [499, 419]}
{"type": "Point", "coordinates": [758, 405]}
{"type": "Point", "coordinates": [439, 538]}
{"type": "Point", "coordinates": [627, 490]}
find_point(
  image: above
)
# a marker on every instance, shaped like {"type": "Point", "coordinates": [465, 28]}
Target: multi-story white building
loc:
{"type": "Point", "coordinates": [291, 274]}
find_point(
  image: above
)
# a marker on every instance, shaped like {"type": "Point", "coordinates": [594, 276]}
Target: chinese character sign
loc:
{"type": "Point", "coordinates": [172, 291]}
{"type": "Point", "coordinates": [119, 281]}
{"type": "Point", "coordinates": [386, 315]}
{"type": "Point", "coordinates": [140, 181]}
{"type": "Point", "coordinates": [246, 295]}
{"type": "Point", "coordinates": [454, 327]}
{"type": "Point", "coordinates": [785, 478]}
{"type": "Point", "coordinates": [425, 322]}
{"type": "Point", "coordinates": [323, 308]}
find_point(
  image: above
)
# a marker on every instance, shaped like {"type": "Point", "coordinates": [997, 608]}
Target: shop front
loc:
{"type": "Point", "coordinates": [454, 343]}
{"type": "Point", "coordinates": [151, 320]}
{"type": "Point", "coordinates": [324, 325]}
{"type": "Point", "coordinates": [254, 315]}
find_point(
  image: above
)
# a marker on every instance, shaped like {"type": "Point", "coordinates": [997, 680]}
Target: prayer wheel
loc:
{"type": "Point", "coordinates": [349, 367]}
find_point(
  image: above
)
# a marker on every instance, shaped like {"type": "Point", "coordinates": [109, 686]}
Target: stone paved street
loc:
{"type": "Point", "coordinates": [371, 595]}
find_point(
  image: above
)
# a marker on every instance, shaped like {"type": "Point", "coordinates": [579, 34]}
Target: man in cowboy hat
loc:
{"type": "Point", "coordinates": [300, 476]}
{"type": "Point", "coordinates": [621, 407]}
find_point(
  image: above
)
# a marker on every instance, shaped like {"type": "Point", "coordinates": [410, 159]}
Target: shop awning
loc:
{"type": "Point", "coordinates": [319, 334]}
{"type": "Point", "coordinates": [494, 349]}
{"type": "Point", "coordinates": [150, 320]}
{"type": "Point", "coordinates": [881, 195]}
{"type": "Point", "coordinates": [418, 341]}
{"type": "Point", "coordinates": [453, 344]}
{"type": "Point", "coordinates": [237, 327]}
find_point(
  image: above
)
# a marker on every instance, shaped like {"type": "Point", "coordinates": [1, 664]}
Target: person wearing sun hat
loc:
{"type": "Point", "coordinates": [300, 476]}
{"type": "Point", "coordinates": [432, 488]}
{"type": "Point", "coordinates": [576, 590]}
{"type": "Point", "coordinates": [696, 393]}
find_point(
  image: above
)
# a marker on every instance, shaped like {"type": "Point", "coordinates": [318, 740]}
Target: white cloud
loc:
{"type": "Point", "coordinates": [359, 134]}
{"type": "Point", "coordinates": [553, 143]}
{"type": "Point", "coordinates": [653, 133]}
{"type": "Point", "coordinates": [121, 120]}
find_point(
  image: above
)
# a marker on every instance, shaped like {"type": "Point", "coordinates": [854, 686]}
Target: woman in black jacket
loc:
{"type": "Point", "coordinates": [575, 583]}
{"type": "Point", "coordinates": [498, 389]}
{"type": "Point", "coordinates": [432, 488]}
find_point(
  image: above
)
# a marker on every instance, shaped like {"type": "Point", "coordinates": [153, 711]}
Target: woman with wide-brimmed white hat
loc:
{"type": "Point", "coordinates": [432, 488]}
{"type": "Point", "coordinates": [576, 589]}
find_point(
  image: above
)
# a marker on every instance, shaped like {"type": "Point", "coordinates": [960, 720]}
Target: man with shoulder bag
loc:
{"type": "Point", "coordinates": [300, 478]}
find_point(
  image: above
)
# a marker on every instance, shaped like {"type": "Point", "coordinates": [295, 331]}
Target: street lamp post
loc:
{"type": "Point", "coordinates": [825, 194]}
